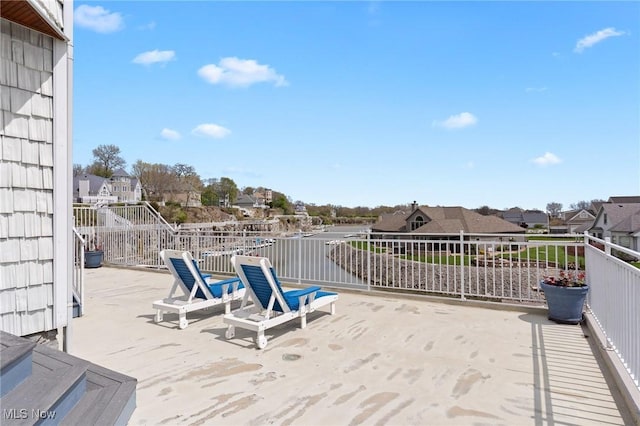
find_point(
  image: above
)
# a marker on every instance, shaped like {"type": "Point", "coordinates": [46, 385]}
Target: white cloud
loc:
{"type": "Point", "coordinates": [597, 37]}
{"type": "Point", "coordinates": [535, 89]}
{"type": "Point", "coordinates": [154, 57]}
{"type": "Point", "coordinates": [170, 135]}
{"type": "Point", "coordinates": [211, 131]}
{"type": "Point", "coordinates": [464, 119]}
{"type": "Point", "coordinates": [237, 72]}
{"type": "Point", "coordinates": [98, 19]}
{"type": "Point", "coordinates": [548, 159]}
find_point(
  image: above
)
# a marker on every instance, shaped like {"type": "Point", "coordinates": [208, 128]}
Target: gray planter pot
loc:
{"type": "Point", "coordinates": [565, 303]}
{"type": "Point", "coordinates": [93, 259]}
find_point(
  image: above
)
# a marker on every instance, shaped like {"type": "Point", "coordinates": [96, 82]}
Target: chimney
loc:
{"type": "Point", "coordinates": [414, 206]}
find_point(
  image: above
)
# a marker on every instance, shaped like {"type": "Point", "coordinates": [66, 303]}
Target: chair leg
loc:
{"type": "Point", "coordinates": [231, 332]}
{"type": "Point", "coordinates": [183, 320]}
{"type": "Point", "coordinates": [333, 308]}
{"type": "Point", "coordinates": [159, 315]}
{"type": "Point", "coordinates": [227, 307]}
{"type": "Point", "coordinates": [261, 340]}
{"type": "Point", "coordinates": [303, 320]}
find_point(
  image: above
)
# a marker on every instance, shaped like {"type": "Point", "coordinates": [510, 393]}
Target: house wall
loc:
{"type": "Point", "coordinates": [26, 181]}
{"type": "Point", "coordinates": [35, 169]}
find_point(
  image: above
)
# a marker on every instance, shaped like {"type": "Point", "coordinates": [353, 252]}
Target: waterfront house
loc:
{"type": "Point", "coordinates": [126, 188]}
{"type": "Point", "coordinates": [119, 188]}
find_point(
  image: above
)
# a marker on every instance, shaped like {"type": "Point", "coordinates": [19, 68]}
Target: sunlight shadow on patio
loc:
{"type": "Point", "coordinates": [569, 385]}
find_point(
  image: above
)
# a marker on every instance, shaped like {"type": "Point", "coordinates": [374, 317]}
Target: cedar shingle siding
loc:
{"type": "Point", "coordinates": [26, 180]}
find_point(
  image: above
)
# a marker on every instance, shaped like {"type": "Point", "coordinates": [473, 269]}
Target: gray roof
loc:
{"type": "Point", "coordinates": [446, 220]}
{"type": "Point", "coordinates": [95, 182]}
{"type": "Point", "coordinates": [573, 216]}
{"type": "Point", "coordinates": [120, 173]}
{"type": "Point", "coordinates": [456, 219]}
{"type": "Point", "coordinates": [534, 217]}
{"type": "Point", "coordinates": [630, 224]}
{"type": "Point", "coordinates": [625, 199]}
{"type": "Point", "coordinates": [526, 216]}
{"type": "Point", "coordinates": [244, 199]}
{"type": "Point", "coordinates": [620, 216]}
{"type": "Point", "coordinates": [391, 222]}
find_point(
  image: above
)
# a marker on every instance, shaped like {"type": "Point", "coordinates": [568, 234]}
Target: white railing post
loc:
{"type": "Point", "coordinates": [300, 257]}
{"type": "Point", "coordinates": [370, 255]}
{"type": "Point", "coordinates": [462, 265]}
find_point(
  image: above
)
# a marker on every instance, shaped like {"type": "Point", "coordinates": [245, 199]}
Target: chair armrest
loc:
{"type": "Point", "coordinates": [303, 292]}
{"type": "Point", "coordinates": [228, 281]}
{"type": "Point", "coordinates": [230, 285]}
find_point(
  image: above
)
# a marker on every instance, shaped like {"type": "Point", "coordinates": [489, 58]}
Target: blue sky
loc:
{"type": "Point", "coordinates": [369, 103]}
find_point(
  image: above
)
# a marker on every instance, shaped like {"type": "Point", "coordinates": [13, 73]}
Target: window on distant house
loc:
{"type": "Point", "coordinates": [417, 223]}
{"type": "Point", "coordinates": [604, 218]}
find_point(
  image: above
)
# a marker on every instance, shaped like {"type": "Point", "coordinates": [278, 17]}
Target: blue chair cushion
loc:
{"type": "Point", "coordinates": [189, 280]}
{"type": "Point", "coordinates": [262, 289]}
{"type": "Point", "coordinates": [216, 288]}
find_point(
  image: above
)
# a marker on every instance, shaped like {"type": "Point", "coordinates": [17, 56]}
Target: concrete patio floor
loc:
{"type": "Point", "coordinates": [379, 360]}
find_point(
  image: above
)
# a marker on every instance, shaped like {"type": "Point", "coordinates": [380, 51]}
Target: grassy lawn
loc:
{"type": "Point", "coordinates": [363, 245]}
{"type": "Point", "coordinates": [554, 254]}
{"type": "Point", "coordinates": [547, 238]}
{"type": "Point", "coordinates": [548, 253]}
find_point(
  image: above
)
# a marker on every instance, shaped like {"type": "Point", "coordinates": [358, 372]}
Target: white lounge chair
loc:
{"type": "Point", "coordinates": [272, 306]}
{"type": "Point", "coordinates": [199, 292]}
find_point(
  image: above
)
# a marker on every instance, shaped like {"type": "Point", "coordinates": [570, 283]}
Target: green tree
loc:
{"type": "Point", "coordinates": [281, 201]}
{"type": "Point", "coordinates": [228, 187]}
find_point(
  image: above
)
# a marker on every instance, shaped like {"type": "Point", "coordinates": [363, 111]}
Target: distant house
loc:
{"type": "Point", "coordinates": [439, 220]}
{"type": "Point", "coordinates": [530, 219]}
{"type": "Point", "coordinates": [126, 188]}
{"type": "Point", "coordinates": [300, 208]}
{"type": "Point", "coordinates": [263, 197]}
{"type": "Point", "coordinates": [620, 222]}
{"type": "Point", "coordinates": [244, 201]}
{"type": "Point", "coordinates": [577, 221]}
{"type": "Point", "coordinates": [120, 188]}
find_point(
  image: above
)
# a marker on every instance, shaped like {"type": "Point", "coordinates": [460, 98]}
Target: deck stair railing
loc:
{"type": "Point", "coordinates": [128, 234]}
{"type": "Point", "coordinates": [77, 279]}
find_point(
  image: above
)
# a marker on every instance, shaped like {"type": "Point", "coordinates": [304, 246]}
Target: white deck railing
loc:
{"type": "Point", "coordinates": [614, 300]}
{"type": "Point", "coordinates": [77, 279]}
{"type": "Point", "coordinates": [494, 267]}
